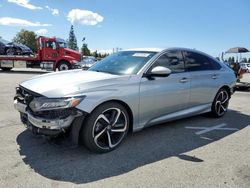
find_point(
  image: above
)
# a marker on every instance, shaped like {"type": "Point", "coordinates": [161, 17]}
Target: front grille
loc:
{"type": "Point", "coordinates": [55, 114]}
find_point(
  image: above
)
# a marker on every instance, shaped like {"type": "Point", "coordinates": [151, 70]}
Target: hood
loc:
{"type": "Point", "coordinates": [73, 53]}
{"type": "Point", "coordinates": [74, 82]}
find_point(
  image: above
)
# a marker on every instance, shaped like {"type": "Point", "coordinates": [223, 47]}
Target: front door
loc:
{"type": "Point", "coordinates": [50, 50]}
{"type": "Point", "coordinates": [160, 96]}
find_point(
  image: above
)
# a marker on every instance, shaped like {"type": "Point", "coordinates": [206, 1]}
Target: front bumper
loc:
{"type": "Point", "coordinates": [43, 125]}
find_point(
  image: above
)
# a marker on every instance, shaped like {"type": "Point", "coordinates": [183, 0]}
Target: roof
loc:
{"type": "Point", "coordinates": [145, 49]}
{"type": "Point", "coordinates": [60, 40]}
{"type": "Point", "coordinates": [165, 49]}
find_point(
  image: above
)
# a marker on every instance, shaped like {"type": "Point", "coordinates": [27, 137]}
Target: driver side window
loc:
{"type": "Point", "coordinates": [172, 60]}
{"type": "Point", "coordinates": [50, 44]}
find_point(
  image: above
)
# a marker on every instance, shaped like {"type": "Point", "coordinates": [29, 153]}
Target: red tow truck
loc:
{"type": "Point", "coordinates": [52, 53]}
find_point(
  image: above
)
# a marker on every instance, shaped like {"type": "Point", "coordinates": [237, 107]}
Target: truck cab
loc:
{"type": "Point", "coordinates": [54, 52]}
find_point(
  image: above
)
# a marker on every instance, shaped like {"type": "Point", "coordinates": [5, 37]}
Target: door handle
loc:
{"type": "Point", "coordinates": [215, 76]}
{"type": "Point", "coordinates": [183, 80]}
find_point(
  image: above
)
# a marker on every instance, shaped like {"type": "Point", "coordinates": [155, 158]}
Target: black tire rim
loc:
{"type": "Point", "coordinates": [109, 128]}
{"type": "Point", "coordinates": [221, 103]}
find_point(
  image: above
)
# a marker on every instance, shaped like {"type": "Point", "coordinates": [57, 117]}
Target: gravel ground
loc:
{"type": "Point", "coordinates": [170, 155]}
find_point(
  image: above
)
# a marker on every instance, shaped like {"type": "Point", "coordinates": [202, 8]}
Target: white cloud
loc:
{"type": "Point", "coordinates": [25, 4]}
{"type": "Point", "coordinates": [54, 11]}
{"type": "Point", "coordinates": [84, 17]}
{"type": "Point", "coordinates": [41, 31]}
{"type": "Point", "coordinates": [20, 22]}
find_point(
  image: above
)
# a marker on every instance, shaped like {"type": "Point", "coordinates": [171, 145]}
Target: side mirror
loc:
{"type": "Point", "coordinates": [160, 71]}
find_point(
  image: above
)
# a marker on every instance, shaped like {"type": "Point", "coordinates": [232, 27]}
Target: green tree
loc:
{"type": "Point", "coordinates": [249, 60]}
{"type": "Point", "coordinates": [94, 54]}
{"type": "Point", "coordinates": [104, 55]}
{"type": "Point", "coordinates": [27, 38]}
{"type": "Point", "coordinates": [244, 59]}
{"type": "Point", "coordinates": [84, 50]}
{"type": "Point", "coordinates": [72, 41]}
{"type": "Point", "coordinates": [230, 59]}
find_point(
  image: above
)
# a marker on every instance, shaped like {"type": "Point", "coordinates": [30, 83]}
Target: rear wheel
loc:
{"type": "Point", "coordinates": [64, 65]}
{"type": "Point", "coordinates": [220, 103]}
{"type": "Point", "coordinates": [105, 128]}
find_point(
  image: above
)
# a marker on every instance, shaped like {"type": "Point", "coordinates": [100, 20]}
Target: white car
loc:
{"type": "Point", "coordinates": [125, 92]}
{"type": "Point", "coordinates": [86, 63]}
{"type": "Point", "coordinates": [245, 66]}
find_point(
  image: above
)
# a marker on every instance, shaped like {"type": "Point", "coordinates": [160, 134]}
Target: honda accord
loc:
{"type": "Point", "coordinates": [125, 92]}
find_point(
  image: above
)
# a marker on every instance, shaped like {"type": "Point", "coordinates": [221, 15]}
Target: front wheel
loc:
{"type": "Point", "coordinates": [11, 51]}
{"type": "Point", "coordinates": [220, 103]}
{"type": "Point", "coordinates": [64, 65]}
{"type": "Point", "coordinates": [105, 128]}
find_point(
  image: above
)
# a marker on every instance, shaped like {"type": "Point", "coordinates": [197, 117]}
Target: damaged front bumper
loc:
{"type": "Point", "coordinates": [44, 125]}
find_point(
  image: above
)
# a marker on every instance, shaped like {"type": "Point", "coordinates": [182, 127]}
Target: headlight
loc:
{"type": "Point", "coordinates": [43, 104]}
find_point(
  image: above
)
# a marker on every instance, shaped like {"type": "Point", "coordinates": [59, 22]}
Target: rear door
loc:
{"type": "Point", "coordinates": [164, 95]}
{"type": "Point", "coordinates": [205, 77]}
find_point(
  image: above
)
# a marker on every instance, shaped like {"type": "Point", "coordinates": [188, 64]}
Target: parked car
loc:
{"type": "Point", "coordinates": [245, 66]}
{"type": "Point", "coordinates": [86, 63]}
{"type": "Point", "coordinates": [3, 44]}
{"type": "Point", "coordinates": [126, 91]}
{"type": "Point", "coordinates": [13, 48]}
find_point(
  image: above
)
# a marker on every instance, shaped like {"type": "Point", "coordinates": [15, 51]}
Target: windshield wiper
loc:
{"type": "Point", "coordinates": [104, 72]}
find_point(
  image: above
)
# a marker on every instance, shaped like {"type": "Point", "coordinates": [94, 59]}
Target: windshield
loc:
{"type": "Point", "coordinates": [123, 63]}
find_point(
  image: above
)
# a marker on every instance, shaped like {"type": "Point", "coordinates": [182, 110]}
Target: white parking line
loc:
{"type": "Point", "coordinates": [208, 129]}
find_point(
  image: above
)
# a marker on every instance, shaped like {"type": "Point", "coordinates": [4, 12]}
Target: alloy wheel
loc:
{"type": "Point", "coordinates": [221, 103]}
{"type": "Point", "coordinates": [10, 51]}
{"type": "Point", "coordinates": [110, 128]}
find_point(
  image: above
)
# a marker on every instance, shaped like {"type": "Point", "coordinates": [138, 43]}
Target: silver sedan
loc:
{"type": "Point", "coordinates": [125, 92]}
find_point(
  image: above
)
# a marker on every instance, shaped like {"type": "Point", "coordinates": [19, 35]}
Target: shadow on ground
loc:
{"type": "Point", "coordinates": [77, 165]}
{"type": "Point", "coordinates": [243, 89]}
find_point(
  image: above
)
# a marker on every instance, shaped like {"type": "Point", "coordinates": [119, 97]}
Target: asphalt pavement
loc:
{"type": "Point", "coordinates": [194, 152]}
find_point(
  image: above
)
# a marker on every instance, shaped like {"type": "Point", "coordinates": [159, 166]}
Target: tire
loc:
{"type": "Point", "coordinates": [64, 65]}
{"type": "Point", "coordinates": [220, 103]}
{"type": "Point", "coordinates": [100, 132]}
{"type": "Point", "coordinates": [11, 51]}
{"type": "Point", "coordinates": [6, 69]}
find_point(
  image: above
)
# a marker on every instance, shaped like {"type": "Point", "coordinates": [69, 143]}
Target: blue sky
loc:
{"type": "Point", "coordinates": [211, 26]}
